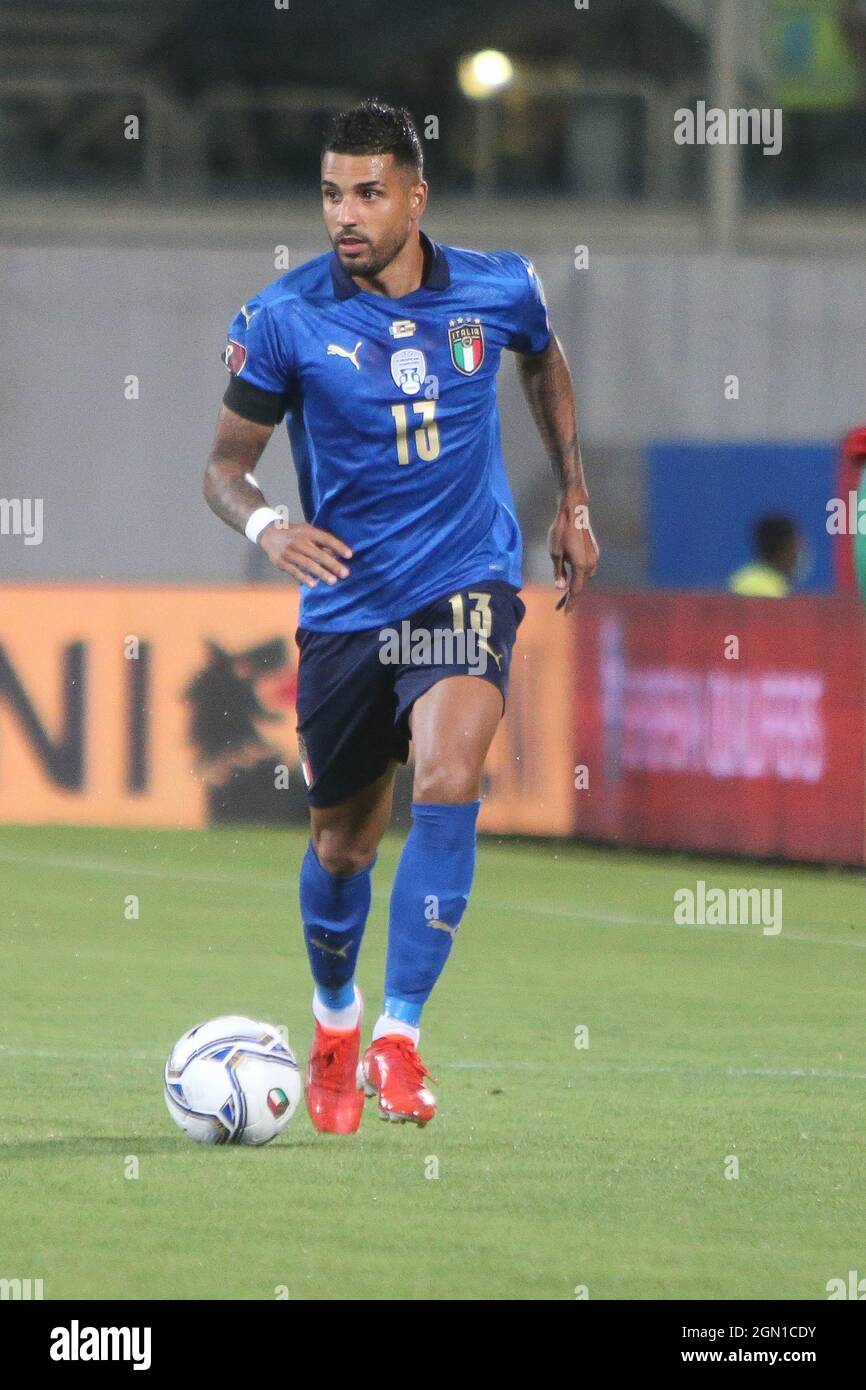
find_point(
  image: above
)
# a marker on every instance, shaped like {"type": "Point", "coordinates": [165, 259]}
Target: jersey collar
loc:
{"type": "Point", "coordinates": [438, 276]}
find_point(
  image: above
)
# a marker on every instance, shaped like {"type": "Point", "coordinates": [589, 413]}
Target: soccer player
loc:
{"type": "Point", "coordinates": [382, 354]}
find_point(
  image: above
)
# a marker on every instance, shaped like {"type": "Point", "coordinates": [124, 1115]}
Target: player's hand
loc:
{"type": "Point", "coordinates": [305, 552]}
{"type": "Point", "coordinates": [573, 548]}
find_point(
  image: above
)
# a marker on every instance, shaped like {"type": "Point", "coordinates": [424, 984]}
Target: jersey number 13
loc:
{"type": "Point", "coordinates": [426, 436]}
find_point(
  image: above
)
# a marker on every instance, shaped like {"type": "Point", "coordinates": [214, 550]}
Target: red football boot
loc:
{"type": "Point", "coordinates": [334, 1099]}
{"type": "Point", "coordinates": [393, 1071]}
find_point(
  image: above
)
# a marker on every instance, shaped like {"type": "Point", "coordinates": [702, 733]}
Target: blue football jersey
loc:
{"type": "Point", "coordinates": [391, 412]}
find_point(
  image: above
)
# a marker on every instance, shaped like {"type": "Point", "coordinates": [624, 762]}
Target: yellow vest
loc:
{"type": "Point", "coordinates": [759, 581]}
{"type": "Point", "coordinates": [815, 68]}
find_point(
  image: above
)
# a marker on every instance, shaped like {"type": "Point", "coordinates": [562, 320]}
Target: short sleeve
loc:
{"type": "Point", "coordinates": [259, 359]}
{"type": "Point", "coordinates": [531, 329]}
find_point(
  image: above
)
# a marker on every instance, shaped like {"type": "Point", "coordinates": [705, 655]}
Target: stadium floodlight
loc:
{"type": "Point", "coordinates": [483, 74]}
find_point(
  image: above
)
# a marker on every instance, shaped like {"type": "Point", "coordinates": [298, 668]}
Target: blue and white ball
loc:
{"type": "Point", "coordinates": [232, 1081]}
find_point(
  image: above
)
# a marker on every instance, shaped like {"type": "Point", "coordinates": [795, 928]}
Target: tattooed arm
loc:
{"type": "Point", "coordinates": [546, 383]}
{"type": "Point", "coordinates": [303, 551]}
{"type": "Point", "coordinates": [228, 486]}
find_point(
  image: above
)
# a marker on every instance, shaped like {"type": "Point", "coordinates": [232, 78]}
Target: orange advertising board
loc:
{"type": "Point", "coordinates": [529, 784]}
{"type": "Point", "coordinates": [173, 705]}
{"type": "Point", "coordinates": [100, 695]}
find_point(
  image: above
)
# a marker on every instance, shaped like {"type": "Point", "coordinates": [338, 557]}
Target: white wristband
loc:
{"type": "Point", "coordinates": [260, 518]}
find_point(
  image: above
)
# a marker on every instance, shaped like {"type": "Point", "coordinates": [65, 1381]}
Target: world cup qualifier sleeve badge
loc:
{"type": "Point", "coordinates": [466, 341]}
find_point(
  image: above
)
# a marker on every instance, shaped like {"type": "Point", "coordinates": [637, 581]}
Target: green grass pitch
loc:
{"type": "Point", "coordinates": [558, 1167]}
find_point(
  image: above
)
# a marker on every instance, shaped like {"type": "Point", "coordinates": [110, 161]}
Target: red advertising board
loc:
{"type": "Point", "coordinates": [722, 724]}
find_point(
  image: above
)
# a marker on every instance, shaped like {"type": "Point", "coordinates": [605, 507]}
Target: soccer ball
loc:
{"type": "Point", "coordinates": [232, 1081]}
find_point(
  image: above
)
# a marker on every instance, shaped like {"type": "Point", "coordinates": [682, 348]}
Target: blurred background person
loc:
{"type": "Point", "coordinates": [778, 549]}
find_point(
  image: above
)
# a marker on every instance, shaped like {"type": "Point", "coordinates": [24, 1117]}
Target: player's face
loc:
{"type": "Point", "coordinates": [370, 207]}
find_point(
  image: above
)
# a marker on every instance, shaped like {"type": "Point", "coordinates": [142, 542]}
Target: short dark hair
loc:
{"type": "Point", "coordinates": [374, 127]}
{"type": "Point", "coordinates": [773, 535]}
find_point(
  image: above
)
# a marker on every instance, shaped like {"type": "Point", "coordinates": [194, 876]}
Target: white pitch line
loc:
{"type": "Point", "coordinates": [285, 886]}
{"type": "Point", "coordinates": [721, 1073]}
{"type": "Point", "coordinates": [57, 1056]}
{"type": "Point", "coordinates": [595, 1068]}
{"type": "Point", "coordinates": [119, 866]}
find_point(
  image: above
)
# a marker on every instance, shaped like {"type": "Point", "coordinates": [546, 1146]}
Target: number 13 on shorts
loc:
{"type": "Point", "coordinates": [480, 617]}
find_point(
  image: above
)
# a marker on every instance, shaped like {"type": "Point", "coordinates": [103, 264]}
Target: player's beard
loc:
{"type": "Point", "coordinates": [376, 260]}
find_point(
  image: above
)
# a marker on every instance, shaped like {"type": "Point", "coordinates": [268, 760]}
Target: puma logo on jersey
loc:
{"type": "Point", "coordinates": [247, 314]}
{"type": "Point", "coordinates": [334, 350]}
{"type": "Point", "coordinates": [442, 926]}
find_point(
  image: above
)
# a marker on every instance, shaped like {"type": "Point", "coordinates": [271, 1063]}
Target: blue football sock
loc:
{"type": "Point", "coordinates": [334, 913]}
{"type": "Point", "coordinates": [428, 899]}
